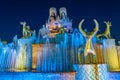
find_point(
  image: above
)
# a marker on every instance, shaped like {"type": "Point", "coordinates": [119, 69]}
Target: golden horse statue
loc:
{"type": "Point", "coordinates": [107, 31]}
{"type": "Point", "coordinates": [89, 35]}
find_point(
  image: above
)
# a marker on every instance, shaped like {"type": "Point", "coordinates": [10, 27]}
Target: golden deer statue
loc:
{"type": "Point", "coordinates": [107, 31]}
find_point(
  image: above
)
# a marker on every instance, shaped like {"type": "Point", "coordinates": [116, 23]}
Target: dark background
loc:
{"type": "Point", "coordinates": [36, 12]}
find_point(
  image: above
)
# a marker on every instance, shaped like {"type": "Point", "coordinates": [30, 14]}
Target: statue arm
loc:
{"type": "Point", "coordinates": [80, 28]}
{"type": "Point", "coordinates": [96, 28]}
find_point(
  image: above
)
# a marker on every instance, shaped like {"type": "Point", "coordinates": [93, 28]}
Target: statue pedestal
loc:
{"type": "Point", "coordinates": [91, 72]}
{"type": "Point", "coordinates": [110, 54]}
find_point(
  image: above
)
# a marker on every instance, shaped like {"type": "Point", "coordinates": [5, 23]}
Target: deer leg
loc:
{"type": "Point", "coordinates": [109, 35]}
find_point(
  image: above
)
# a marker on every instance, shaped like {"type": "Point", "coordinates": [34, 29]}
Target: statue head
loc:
{"type": "Point", "coordinates": [23, 23]}
{"type": "Point", "coordinates": [108, 23]}
{"type": "Point", "coordinates": [52, 11]}
{"type": "Point", "coordinates": [63, 11]}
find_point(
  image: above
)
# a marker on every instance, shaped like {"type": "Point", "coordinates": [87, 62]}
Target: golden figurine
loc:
{"type": "Point", "coordinates": [89, 35]}
{"type": "Point", "coordinates": [107, 31]}
{"type": "Point", "coordinates": [26, 30]}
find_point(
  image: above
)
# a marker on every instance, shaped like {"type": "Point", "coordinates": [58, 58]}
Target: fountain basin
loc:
{"type": "Point", "coordinates": [36, 76]}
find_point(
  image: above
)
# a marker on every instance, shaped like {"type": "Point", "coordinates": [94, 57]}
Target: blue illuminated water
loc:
{"type": "Point", "coordinates": [43, 76]}
{"type": "Point", "coordinates": [7, 57]}
{"type": "Point", "coordinates": [32, 76]}
{"type": "Point", "coordinates": [60, 57]}
{"type": "Point", "coordinates": [77, 41]}
{"type": "Point", "coordinates": [114, 76]}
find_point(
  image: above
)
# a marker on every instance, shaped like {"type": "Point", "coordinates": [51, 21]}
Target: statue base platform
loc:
{"type": "Point", "coordinates": [91, 72]}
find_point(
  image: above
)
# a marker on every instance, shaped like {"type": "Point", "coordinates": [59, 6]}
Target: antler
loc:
{"type": "Point", "coordinates": [80, 27]}
{"type": "Point", "coordinates": [108, 23]}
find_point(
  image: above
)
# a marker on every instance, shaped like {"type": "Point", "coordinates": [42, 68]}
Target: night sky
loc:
{"type": "Point", "coordinates": [36, 12]}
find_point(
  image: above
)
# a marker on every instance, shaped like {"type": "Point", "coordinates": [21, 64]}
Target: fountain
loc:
{"type": "Point", "coordinates": [60, 54]}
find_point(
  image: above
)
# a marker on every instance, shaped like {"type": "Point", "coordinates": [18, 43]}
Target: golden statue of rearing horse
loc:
{"type": "Point", "coordinates": [107, 31]}
{"type": "Point", "coordinates": [89, 35]}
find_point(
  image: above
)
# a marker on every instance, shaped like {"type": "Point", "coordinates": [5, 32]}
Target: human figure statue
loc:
{"type": "Point", "coordinates": [89, 35]}
{"type": "Point", "coordinates": [53, 21]}
{"type": "Point", "coordinates": [67, 24]}
{"type": "Point", "coordinates": [63, 14]}
{"type": "Point", "coordinates": [107, 31]}
{"type": "Point", "coordinates": [52, 14]}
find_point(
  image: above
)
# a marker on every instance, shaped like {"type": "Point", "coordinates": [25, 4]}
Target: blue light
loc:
{"type": "Point", "coordinates": [36, 76]}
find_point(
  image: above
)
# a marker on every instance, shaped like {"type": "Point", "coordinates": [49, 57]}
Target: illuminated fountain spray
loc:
{"type": "Point", "coordinates": [58, 58]}
{"type": "Point", "coordinates": [11, 57]}
{"type": "Point", "coordinates": [39, 56]}
{"type": "Point", "coordinates": [65, 52]}
{"type": "Point", "coordinates": [24, 55]}
{"type": "Point", "coordinates": [54, 57]}
{"type": "Point", "coordinates": [3, 58]}
{"type": "Point", "coordinates": [77, 41]}
{"type": "Point", "coordinates": [48, 59]}
{"type": "Point", "coordinates": [21, 58]}
{"type": "Point", "coordinates": [7, 57]}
